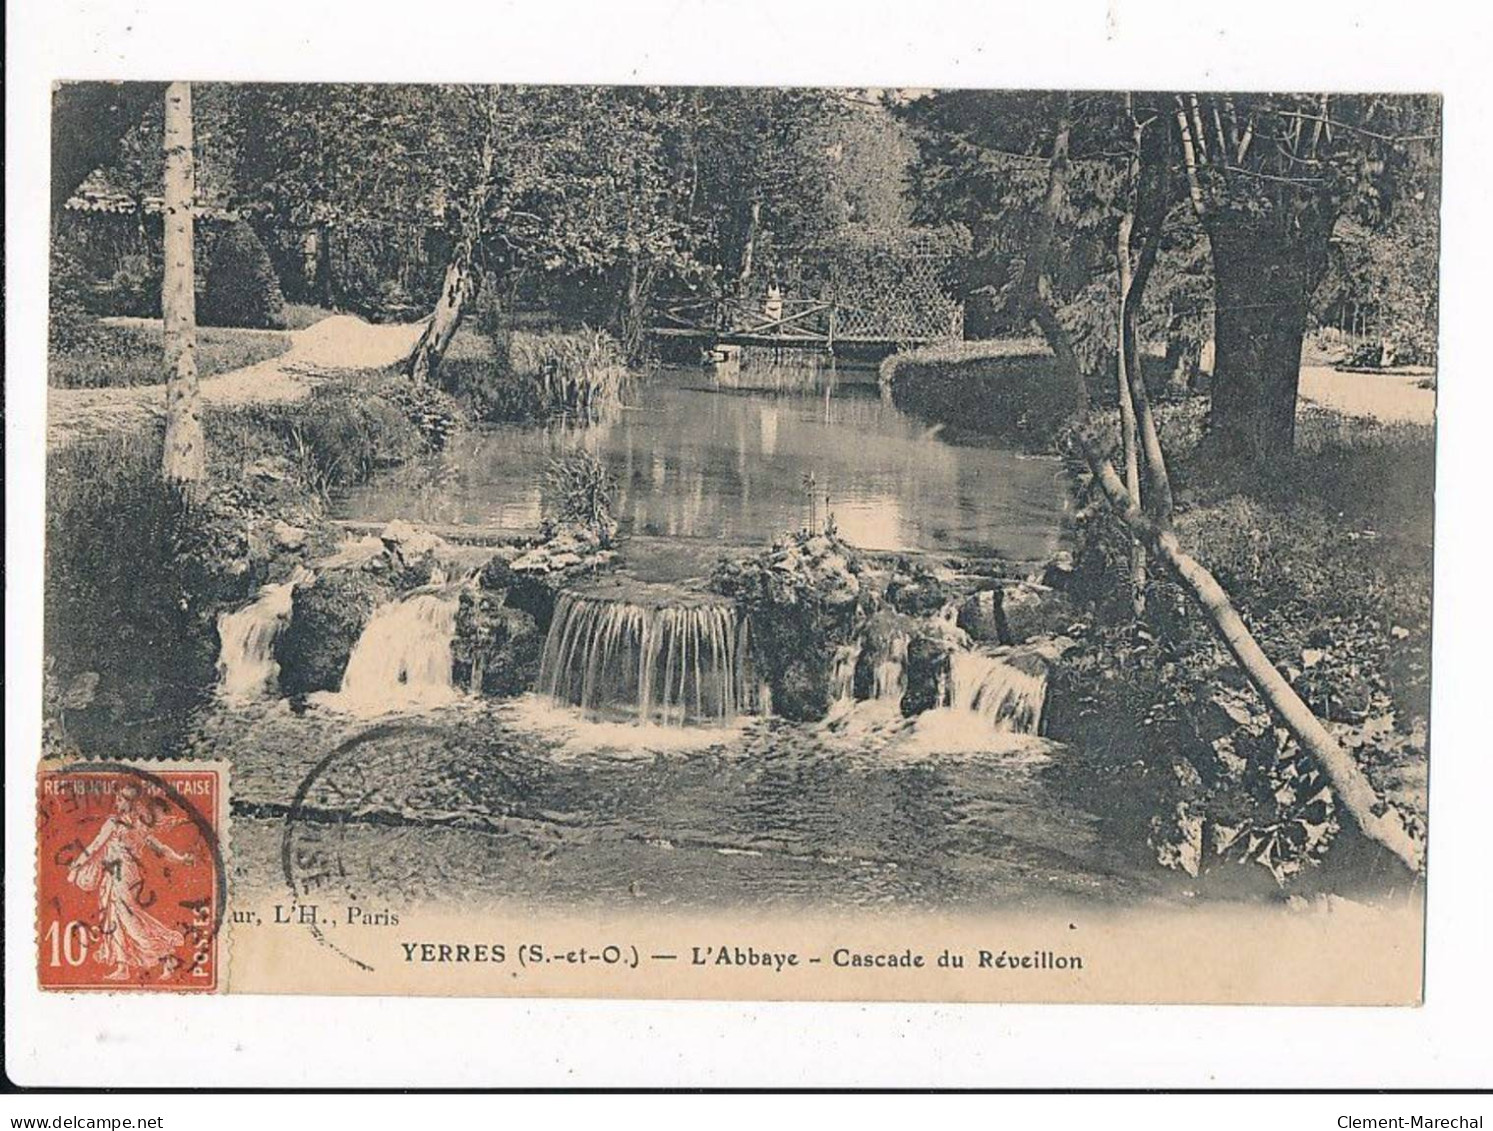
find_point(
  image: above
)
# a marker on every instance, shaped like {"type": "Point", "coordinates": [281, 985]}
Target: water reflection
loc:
{"type": "Point", "coordinates": [725, 457]}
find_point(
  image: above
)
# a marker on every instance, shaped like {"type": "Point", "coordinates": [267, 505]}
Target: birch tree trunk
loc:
{"type": "Point", "coordinates": [184, 459]}
{"type": "Point", "coordinates": [1128, 441]}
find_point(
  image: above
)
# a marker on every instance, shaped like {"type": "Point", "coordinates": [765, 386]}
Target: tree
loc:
{"type": "Point", "coordinates": [184, 459]}
{"type": "Point", "coordinates": [89, 119]}
{"type": "Point", "coordinates": [1269, 176]}
{"type": "Point", "coordinates": [1149, 520]}
{"type": "Point", "coordinates": [241, 288]}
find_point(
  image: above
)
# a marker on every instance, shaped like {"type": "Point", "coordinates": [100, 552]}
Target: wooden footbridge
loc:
{"type": "Point", "coordinates": [872, 296]}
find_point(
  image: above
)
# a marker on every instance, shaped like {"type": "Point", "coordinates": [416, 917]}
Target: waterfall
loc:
{"type": "Point", "coordinates": [1005, 689]}
{"type": "Point", "coordinates": [666, 663]}
{"type": "Point", "coordinates": [246, 657]}
{"type": "Point", "coordinates": [842, 677]}
{"type": "Point", "coordinates": [889, 673]}
{"type": "Point", "coordinates": [402, 660]}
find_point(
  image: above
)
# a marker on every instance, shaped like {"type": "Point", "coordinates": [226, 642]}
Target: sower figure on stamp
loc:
{"type": "Point", "coordinates": [132, 938]}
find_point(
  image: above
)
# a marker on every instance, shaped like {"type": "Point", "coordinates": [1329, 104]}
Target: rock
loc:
{"type": "Point", "coordinates": [354, 554]}
{"type": "Point", "coordinates": [326, 619]}
{"type": "Point", "coordinates": [884, 639]}
{"type": "Point", "coordinates": [928, 653]}
{"type": "Point", "coordinates": [567, 553]}
{"type": "Point", "coordinates": [496, 576]}
{"type": "Point", "coordinates": [289, 537]}
{"type": "Point", "coordinates": [496, 649]}
{"type": "Point", "coordinates": [983, 616]}
{"type": "Point", "coordinates": [408, 543]}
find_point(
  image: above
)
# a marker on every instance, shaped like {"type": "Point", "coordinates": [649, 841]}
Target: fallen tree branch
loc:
{"type": "Point", "coordinates": [1376, 820]}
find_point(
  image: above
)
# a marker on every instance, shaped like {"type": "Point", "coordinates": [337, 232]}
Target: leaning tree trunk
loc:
{"type": "Point", "coordinates": [184, 459]}
{"type": "Point", "coordinates": [457, 288]}
{"type": "Point", "coordinates": [459, 283]}
{"type": "Point", "coordinates": [1379, 822]}
{"type": "Point", "coordinates": [1263, 279]}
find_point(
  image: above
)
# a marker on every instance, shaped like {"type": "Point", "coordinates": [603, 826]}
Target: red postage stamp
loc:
{"type": "Point", "coordinates": [131, 885]}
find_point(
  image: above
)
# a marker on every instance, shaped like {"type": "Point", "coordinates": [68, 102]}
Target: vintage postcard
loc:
{"type": "Point", "coordinates": [754, 543]}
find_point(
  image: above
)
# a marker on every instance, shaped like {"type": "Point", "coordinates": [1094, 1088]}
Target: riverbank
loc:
{"type": "Point", "coordinates": [285, 366]}
{"type": "Point", "coordinates": [1328, 559]}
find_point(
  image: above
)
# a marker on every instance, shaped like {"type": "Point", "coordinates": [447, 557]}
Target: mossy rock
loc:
{"type": "Point", "coordinates": [916, 591]}
{"type": "Point", "coordinates": [983, 616]}
{"type": "Point", "coordinates": [326, 619]}
{"type": "Point", "coordinates": [927, 670]}
{"type": "Point", "coordinates": [496, 649]}
{"type": "Point", "coordinates": [800, 688]}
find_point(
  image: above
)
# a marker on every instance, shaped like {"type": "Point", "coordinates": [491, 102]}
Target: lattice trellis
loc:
{"type": "Point", "coordinates": [877, 288]}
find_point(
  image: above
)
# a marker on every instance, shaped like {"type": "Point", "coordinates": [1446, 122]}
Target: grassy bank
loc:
{"type": "Point", "coordinates": [1329, 561]}
{"type": "Point", "coordinates": [524, 375]}
{"type": "Point", "coordinates": [137, 574]}
{"type": "Point", "coordinates": [117, 355]}
{"type": "Point", "coordinates": [1009, 388]}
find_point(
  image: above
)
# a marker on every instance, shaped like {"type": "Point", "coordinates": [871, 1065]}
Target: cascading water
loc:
{"type": "Point", "coordinates": [402, 661]}
{"type": "Point", "coordinates": [1006, 690]}
{"type": "Point", "coordinates": [671, 663]}
{"type": "Point", "coordinates": [889, 672]}
{"type": "Point", "coordinates": [842, 678]}
{"type": "Point", "coordinates": [246, 656]}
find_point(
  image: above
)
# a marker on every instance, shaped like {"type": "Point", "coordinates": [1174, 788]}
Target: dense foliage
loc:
{"type": "Point", "coordinates": [241, 288]}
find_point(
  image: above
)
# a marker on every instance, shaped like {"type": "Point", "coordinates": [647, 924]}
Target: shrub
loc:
{"type": "Point", "coordinates": [135, 576]}
{"type": "Point", "coordinates": [578, 492]}
{"type": "Point", "coordinates": [1002, 388]}
{"type": "Point", "coordinates": [528, 376]}
{"type": "Point", "coordinates": [241, 288]}
{"type": "Point", "coordinates": [69, 322]}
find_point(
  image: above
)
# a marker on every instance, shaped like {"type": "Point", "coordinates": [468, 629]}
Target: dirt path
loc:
{"type": "Point", "coordinates": [338, 344]}
{"type": "Point", "coordinates": [1392, 398]}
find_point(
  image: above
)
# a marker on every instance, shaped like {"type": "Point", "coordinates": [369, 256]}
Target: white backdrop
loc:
{"type": "Point", "coordinates": [153, 1040]}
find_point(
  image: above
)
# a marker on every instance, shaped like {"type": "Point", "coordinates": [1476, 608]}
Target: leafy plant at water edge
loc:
{"type": "Point", "coordinates": [578, 491]}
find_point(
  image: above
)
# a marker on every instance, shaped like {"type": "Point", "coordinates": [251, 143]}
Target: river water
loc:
{"type": "Point", "coordinates": [532, 801]}
{"type": "Point", "coordinates": [705, 459]}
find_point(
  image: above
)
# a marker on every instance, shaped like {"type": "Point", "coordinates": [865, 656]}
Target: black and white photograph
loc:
{"type": "Point", "coordinates": [702, 499]}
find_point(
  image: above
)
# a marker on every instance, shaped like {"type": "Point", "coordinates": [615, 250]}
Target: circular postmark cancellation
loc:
{"type": "Point", "coordinates": [350, 832]}
{"type": "Point", "coordinates": [130, 876]}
